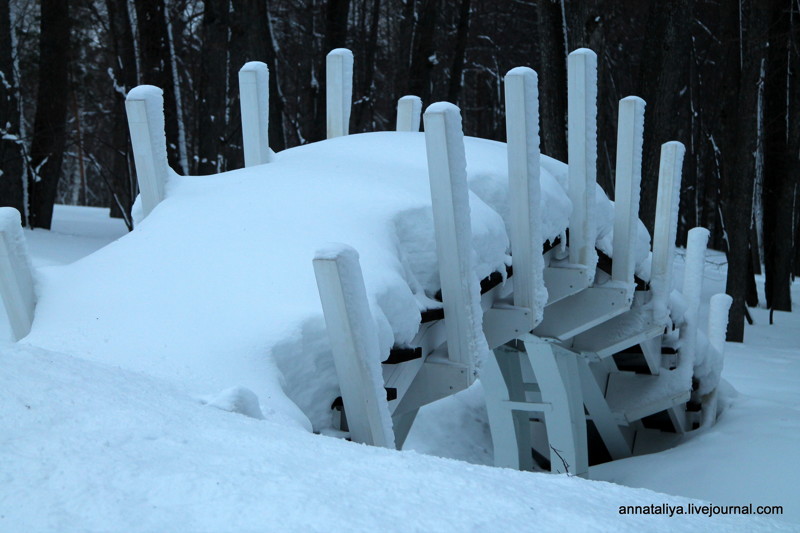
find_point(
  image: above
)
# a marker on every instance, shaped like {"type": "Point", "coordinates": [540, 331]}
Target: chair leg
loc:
{"type": "Point", "coordinates": [556, 372]}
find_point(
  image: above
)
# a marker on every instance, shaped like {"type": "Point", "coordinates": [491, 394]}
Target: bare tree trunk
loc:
{"type": "Point", "coordinates": [745, 60]}
{"type": "Point", "coordinates": [336, 24]}
{"type": "Point", "coordinates": [779, 180]}
{"type": "Point", "coordinates": [662, 77]}
{"type": "Point", "coordinates": [454, 87]}
{"type": "Point", "coordinates": [121, 183]}
{"type": "Point", "coordinates": [12, 160]}
{"type": "Point", "coordinates": [277, 133]}
{"type": "Point", "coordinates": [155, 56]}
{"type": "Point", "coordinates": [794, 125]}
{"type": "Point", "coordinates": [211, 131]}
{"type": "Point", "coordinates": [420, 66]}
{"type": "Point", "coordinates": [552, 78]}
{"type": "Point", "coordinates": [363, 114]}
{"type": "Point", "coordinates": [49, 135]}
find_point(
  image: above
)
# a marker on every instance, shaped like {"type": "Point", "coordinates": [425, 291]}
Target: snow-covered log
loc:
{"type": "Point", "coordinates": [522, 132]}
{"type": "Point", "coordinates": [16, 280]}
{"type": "Point", "coordinates": [409, 111]}
{"type": "Point", "coordinates": [145, 108]}
{"type": "Point", "coordinates": [354, 343]}
{"type": "Point", "coordinates": [339, 91]}
{"type": "Point", "coordinates": [254, 102]}
{"type": "Point", "coordinates": [666, 226]}
{"type": "Point", "coordinates": [447, 169]}
{"type": "Point", "coordinates": [630, 136]}
{"type": "Point", "coordinates": [582, 153]}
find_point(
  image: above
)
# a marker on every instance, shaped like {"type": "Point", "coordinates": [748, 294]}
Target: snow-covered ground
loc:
{"type": "Point", "coordinates": [98, 435]}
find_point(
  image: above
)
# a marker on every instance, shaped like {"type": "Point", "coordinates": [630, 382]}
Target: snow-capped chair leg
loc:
{"type": "Point", "coordinates": [409, 111]}
{"type": "Point", "coordinates": [666, 227]}
{"type": "Point", "coordinates": [504, 389]}
{"type": "Point", "coordinates": [254, 102]}
{"type": "Point", "coordinates": [338, 91]}
{"type": "Point", "coordinates": [145, 109]}
{"type": "Point", "coordinates": [447, 169]}
{"type": "Point", "coordinates": [16, 279]}
{"type": "Point", "coordinates": [692, 287]}
{"type": "Point", "coordinates": [717, 328]}
{"type": "Point", "coordinates": [354, 344]}
{"type": "Point", "coordinates": [556, 371]}
{"type": "Point", "coordinates": [630, 136]}
{"type": "Point", "coordinates": [522, 132]}
{"type": "Point", "coordinates": [582, 155]}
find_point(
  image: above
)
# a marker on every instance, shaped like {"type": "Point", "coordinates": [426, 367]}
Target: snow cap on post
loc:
{"type": "Point", "coordinates": [666, 226]}
{"type": "Point", "coordinates": [522, 133]}
{"type": "Point", "coordinates": [447, 169]}
{"type": "Point", "coordinates": [145, 109]}
{"type": "Point", "coordinates": [582, 155]}
{"type": "Point", "coordinates": [339, 91]}
{"type": "Point", "coordinates": [409, 110]}
{"type": "Point", "coordinates": [16, 278]}
{"type": "Point", "coordinates": [254, 102]}
{"type": "Point", "coordinates": [354, 343]}
{"type": "Point", "coordinates": [630, 136]}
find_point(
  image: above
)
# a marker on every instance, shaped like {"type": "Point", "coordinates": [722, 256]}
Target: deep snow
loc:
{"type": "Point", "coordinates": [150, 393]}
{"type": "Point", "coordinates": [215, 288]}
{"type": "Point", "coordinates": [89, 446]}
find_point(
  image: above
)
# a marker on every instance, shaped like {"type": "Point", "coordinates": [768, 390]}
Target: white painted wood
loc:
{"type": "Point", "coordinates": [718, 309]}
{"type": "Point", "coordinates": [582, 154]}
{"type": "Point", "coordinates": [522, 134]}
{"type": "Point", "coordinates": [402, 425]}
{"type": "Point", "coordinates": [604, 420]}
{"type": "Point", "coordinates": [437, 379]}
{"type": "Point", "coordinates": [16, 278]}
{"type": "Point", "coordinates": [651, 350]}
{"type": "Point", "coordinates": [339, 91]}
{"type": "Point", "coordinates": [692, 287]}
{"type": "Point", "coordinates": [556, 373]}
{"type": "Point", "coordinates": [354, 344]}
{"type": "Point", "coordinates": [630, 136]}
{"type": "Point", "coordinates": [585, 310]}
{"type": "Point", "coordinates": [400, 377]}
{"type": "Point", "coordinates": [634, 396]}
{"type": "Point", "coordinates": [144, 106]}
{"type": "Point", "coordinates": [501, 378]}
{"type": "Point", "coordinates": [254, 102]}
{"type": "Point", "coordinates": [666, 227]}
{"type": "Point", "coordinates": [504, 323]}
{"type": "Point", "coordinates": [444, 143]}
{"type": "Point", "coordinates": [696, 243]}
{"type": "Point", "coordinates": [409, 112]}
{"type": "Point", "coordinates": [618, 333]}
{"type": "Point", "coordinates": [563, 281]}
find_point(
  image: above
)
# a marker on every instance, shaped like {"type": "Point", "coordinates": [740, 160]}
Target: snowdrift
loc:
{"type": "Point", "coordinates": [215, 288]}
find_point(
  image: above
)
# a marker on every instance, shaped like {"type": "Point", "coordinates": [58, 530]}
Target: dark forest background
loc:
{"type": "Point", "coordinates": [718, 75]}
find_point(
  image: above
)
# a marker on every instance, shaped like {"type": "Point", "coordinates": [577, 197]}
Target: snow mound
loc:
{"type": "Point", "coordinates": [216, 289]}
{"type": "Point", "coordinates": [237, 400]}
